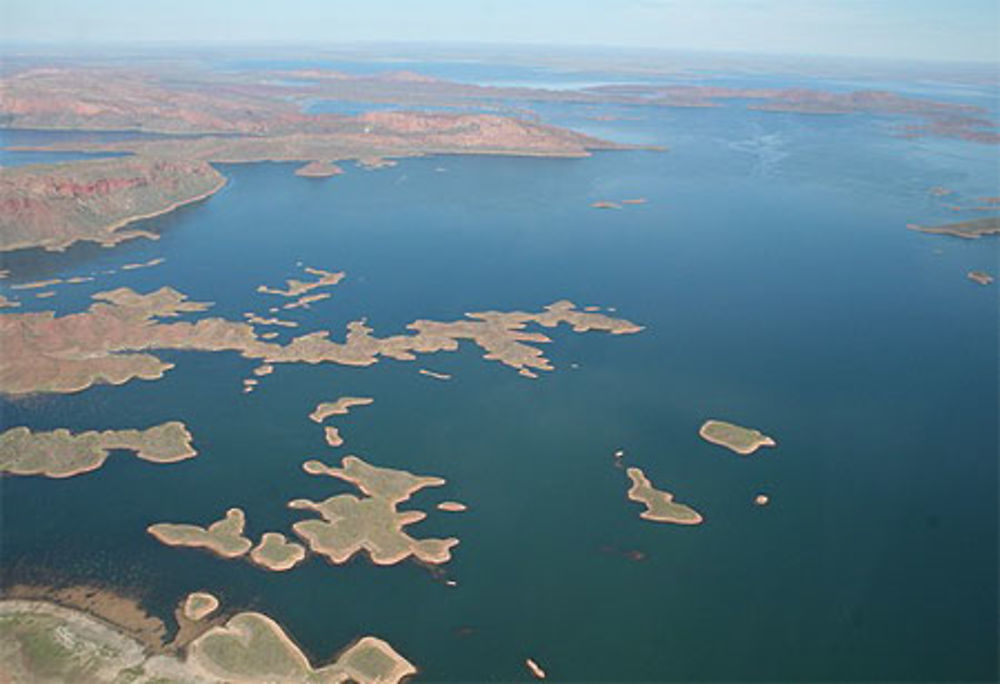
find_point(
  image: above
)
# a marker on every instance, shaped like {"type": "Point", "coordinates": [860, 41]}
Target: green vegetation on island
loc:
{"type": "Point", "coordinates": [60, 453]}
{"type": "Point", "coordinates": [276, 553]}
{"type": "Point", "coordinates": [349, 524]}
{"type": "Point", "coordinates": [112, 341]}
{"type": "Point", "coordinates": [660, 505]}
{"type": "Point", "coordinates": [252, 647]}
{"type": "Point", "coordinates": [332, 436]}
{"type": "Point", "coordinates": [339, 407]}
{"type": "Point", "coordinates": [42, 641]}
{"type": "Point", "coordinates": [199, 605]}
{"type": "Point", "coordinates": [739, 439]}
{"type": "Point", "coordinates": [52, 206]}
{"type": "Point", "coordinates": [223, 537]}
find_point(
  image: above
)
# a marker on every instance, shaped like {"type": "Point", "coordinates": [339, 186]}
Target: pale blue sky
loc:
{"type": "Point", "coordinates": [928, 29]}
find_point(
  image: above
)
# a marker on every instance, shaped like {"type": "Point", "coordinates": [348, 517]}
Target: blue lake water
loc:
{"type": "Point", "coordinates": [779, 289]}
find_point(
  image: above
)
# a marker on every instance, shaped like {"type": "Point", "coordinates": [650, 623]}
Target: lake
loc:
{"type": "Point", "coordinates": [779, 289]}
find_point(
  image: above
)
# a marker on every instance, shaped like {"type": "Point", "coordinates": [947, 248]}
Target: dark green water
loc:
{"type": "Point", "coordinates": [780, 290]}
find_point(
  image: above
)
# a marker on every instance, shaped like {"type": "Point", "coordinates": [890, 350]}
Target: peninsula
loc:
{"type": "Point", "coordinates": [253, 647]}
{"type": "Point", "coordinates": [368, 138]}
{"type": "Point", "coordinates": [202, 120]}
{"type": "Point", "coordinates": [48, 642]}
{"type": "Point", "coordinates": [52, 206]}
{"type": "Point", "coordinates": [253, 104]}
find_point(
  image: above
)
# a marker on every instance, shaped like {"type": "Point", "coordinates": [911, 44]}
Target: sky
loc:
{"type": "Point", "coordinates": [931, 30]}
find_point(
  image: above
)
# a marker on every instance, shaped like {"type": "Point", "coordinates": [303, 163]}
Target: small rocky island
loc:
{"type": "Point", "coordinates": [660, 505]}
{"type": "Point", "coordinates": [199, 605]}
{"type": "Point", "coordinates": [970, 230]}
{"type": "Point", "coordinates": [223, 537]}
{"type": "Point", "coordinates": [981, 277]}
{"type": "Point", "coordinates": [739, 439]}
{"type": "Point", "coordinates": [319, 169]}
{"type": "Point", "coordinates": [339, 407]}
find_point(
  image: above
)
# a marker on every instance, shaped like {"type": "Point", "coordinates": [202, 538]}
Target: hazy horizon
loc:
{"type": "Point", "coordinates": [921, 30]}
